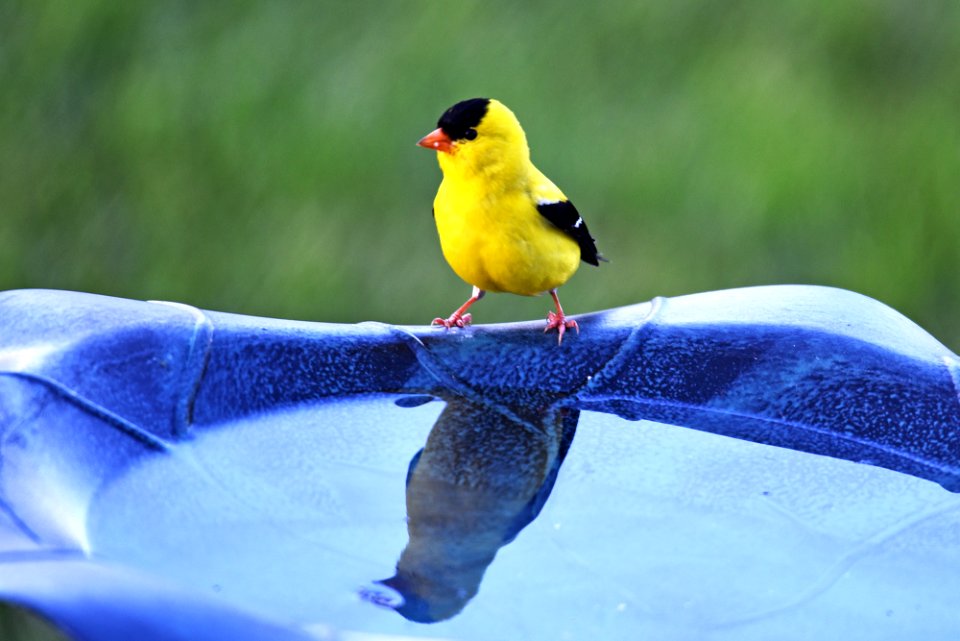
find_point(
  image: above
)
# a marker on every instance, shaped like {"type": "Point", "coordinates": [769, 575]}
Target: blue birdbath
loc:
{"type": "Point", "coordinates": [753, 464]}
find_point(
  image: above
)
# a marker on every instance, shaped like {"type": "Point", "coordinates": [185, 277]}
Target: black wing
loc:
{"type": "Point", "coordinates": [567, 219]}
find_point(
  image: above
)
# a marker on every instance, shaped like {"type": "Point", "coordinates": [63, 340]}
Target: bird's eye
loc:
{"type": "Point", "coordinates": [470, 134]}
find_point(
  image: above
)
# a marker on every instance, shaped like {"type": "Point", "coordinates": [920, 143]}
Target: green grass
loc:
{"type": "Point", "coordinates": [259, 157]}
{"type": "Point", "coordinates": [20, 624]}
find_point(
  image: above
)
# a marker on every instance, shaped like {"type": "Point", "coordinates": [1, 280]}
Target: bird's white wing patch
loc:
{"type": "Point", "coordinates": [553, 201]}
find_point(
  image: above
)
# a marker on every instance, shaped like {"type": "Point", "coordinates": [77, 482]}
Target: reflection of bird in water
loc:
{"type": "Point", "coordinates": [483, 475]}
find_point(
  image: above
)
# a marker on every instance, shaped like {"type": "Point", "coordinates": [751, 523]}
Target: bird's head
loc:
{"type": "Point", "coordinates": [477, 133]}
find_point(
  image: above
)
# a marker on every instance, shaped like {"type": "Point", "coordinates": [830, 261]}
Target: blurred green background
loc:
{"type": "Point", "coordinates": [259, 157]}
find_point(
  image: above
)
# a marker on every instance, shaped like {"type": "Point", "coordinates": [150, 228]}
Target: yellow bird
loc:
{"type": "Point", "coordinates": [503, 225]}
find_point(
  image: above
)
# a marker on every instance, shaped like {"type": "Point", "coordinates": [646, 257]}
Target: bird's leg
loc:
{"type": "Point", "coordinates": [557, 320]}
{"type": "Point", "coordinates": [458, 318]}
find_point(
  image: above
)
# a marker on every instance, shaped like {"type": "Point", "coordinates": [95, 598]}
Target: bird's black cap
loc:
{"type": "Point", "coordinates": [460, 119]}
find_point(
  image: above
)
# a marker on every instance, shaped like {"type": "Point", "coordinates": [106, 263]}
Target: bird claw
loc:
{"type": "Point", "coordinates": [560, 323]}
{"type": "Point", "coordinates": [455, 320]}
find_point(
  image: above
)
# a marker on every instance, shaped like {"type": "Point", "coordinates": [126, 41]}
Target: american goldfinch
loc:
{"type": "Point", "coordinates": [503, 225]}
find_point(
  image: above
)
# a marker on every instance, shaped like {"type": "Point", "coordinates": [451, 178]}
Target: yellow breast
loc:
{"type": "Point", "coordinates": [495, 239]}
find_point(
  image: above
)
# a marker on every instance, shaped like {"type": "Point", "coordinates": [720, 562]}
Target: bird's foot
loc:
{"type": "Point", "coordinates": [455, 320]}
{"type": "Point", "coordinates": [560, 323]}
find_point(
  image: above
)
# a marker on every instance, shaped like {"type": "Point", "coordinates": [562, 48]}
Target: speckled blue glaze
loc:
{"type": "Point", "coordinates": [817, 369]}
{"type": "Point", "coordinates": [91, 385]}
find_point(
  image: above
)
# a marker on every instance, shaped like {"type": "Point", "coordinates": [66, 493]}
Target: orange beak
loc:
{"type": "Point", "coordinates": [438, 140]}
